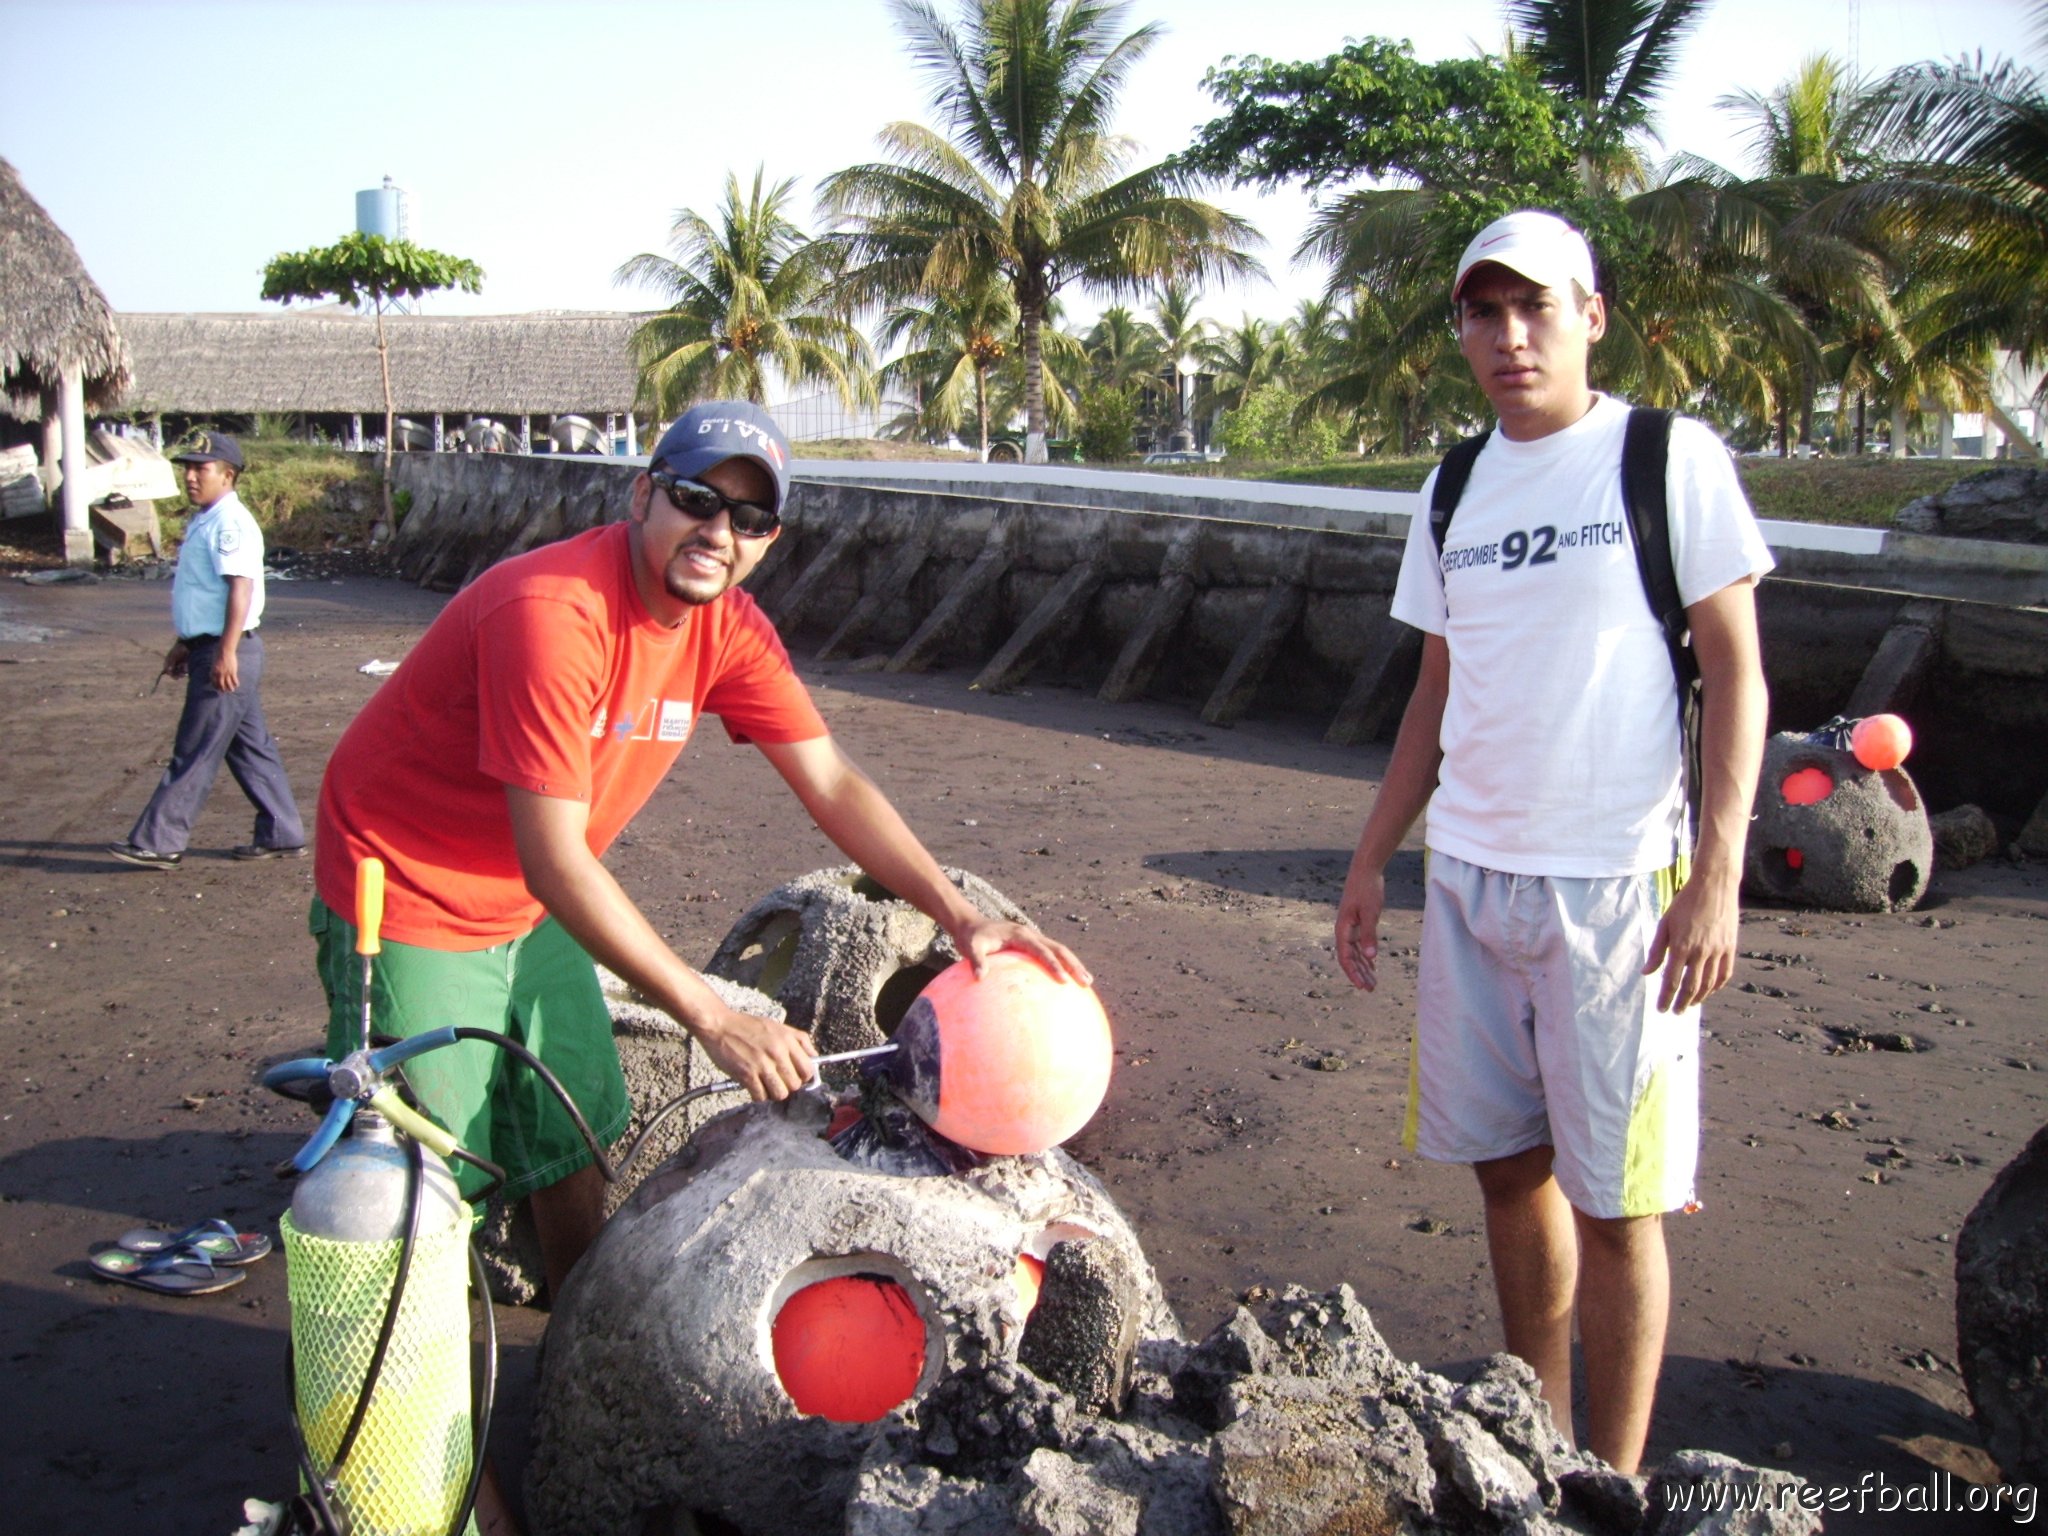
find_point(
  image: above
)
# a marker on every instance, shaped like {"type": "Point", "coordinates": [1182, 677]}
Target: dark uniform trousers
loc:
{"type": "Point", "coordinates": [221, 727]}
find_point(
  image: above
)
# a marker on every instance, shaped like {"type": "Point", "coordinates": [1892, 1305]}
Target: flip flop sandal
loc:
{"type": "Point", "coordinates": [182, 1273]}
{"type": "Point", "coordinates": [214, 1238]}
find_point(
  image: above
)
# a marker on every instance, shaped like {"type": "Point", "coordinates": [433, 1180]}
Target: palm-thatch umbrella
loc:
{"type": "Point", "coordinates": [59, 346]}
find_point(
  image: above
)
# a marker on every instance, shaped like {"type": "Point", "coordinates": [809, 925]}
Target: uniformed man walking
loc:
{"type": "Point", "coordinates": [216, 608]}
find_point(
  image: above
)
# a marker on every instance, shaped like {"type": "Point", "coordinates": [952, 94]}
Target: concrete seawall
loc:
{"type": "Point", "coordinates": [1244, 600]}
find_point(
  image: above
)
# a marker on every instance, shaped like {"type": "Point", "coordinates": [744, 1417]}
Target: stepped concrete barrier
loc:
{"type": "Point", "coordinates": [1246, 600]}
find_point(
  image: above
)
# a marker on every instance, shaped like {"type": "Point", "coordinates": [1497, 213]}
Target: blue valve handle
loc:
{"type": "Point", "coordinates": [343, 1108]}
{"type": "Point", "coordinates": [339, 1113]}
{"type": "Point", "coordinates": [389, 1056]}
{"type": "Point", "coordinates": [298, 1070]}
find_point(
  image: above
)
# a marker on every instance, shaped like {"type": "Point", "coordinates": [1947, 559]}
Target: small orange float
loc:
{"type": "Point", "coordinates": [1881, 742]}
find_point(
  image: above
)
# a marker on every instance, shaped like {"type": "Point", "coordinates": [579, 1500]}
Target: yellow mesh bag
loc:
{"type": "Point", "coordinates": [411, 1463]}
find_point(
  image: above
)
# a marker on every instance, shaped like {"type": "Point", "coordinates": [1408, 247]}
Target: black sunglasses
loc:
{"type": "Point", "coordinates": [693, 498]}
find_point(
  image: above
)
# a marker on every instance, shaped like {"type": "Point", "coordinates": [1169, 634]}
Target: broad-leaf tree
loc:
{"type": "Point", "coordinates": [360, 268]}
{"type": "Point", "coordinates": [746, 293]}
{"type": "Point", "coordinates": [1024, 179]}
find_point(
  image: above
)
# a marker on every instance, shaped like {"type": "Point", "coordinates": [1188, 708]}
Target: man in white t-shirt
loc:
{"type": "Point", "coordinates": [1566, 944]}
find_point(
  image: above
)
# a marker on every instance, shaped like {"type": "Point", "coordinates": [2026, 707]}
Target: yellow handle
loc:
{"type": "Point", "coordinates": [369, 904]}
{"type": "Point", "coordinates": [422, 1130]}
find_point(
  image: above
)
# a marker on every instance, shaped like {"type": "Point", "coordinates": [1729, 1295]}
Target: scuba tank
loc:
{"type": "Point", "coordinates": [376, 1256]}
{"type": "Point", "coordinates": [381, 1383]}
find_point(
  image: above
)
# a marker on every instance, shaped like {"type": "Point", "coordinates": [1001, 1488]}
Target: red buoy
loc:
{"type": "Point", "coordinates": [1012, 1062]}
{"type": "Point", "coordinates": [849, 1349]}
{"type": "Point", "coordinates": [1029, 1278]}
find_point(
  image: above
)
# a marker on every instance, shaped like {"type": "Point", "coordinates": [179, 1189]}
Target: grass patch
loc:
{"type": "Point", "coordinates": [303, 495]}
{"type": "Point", "coordinates": [1860, 493]}
{"type": "Point", "coordinates": [878, 450]}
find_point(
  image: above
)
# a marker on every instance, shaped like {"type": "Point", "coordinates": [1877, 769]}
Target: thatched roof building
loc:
{"type": "Point", "coordinates": [53, 317]}
{"type": "Point", "coordinates": [325, 361]}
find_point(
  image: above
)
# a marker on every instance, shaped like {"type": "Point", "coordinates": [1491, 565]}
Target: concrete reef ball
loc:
{"type": "Point", "coordinates": [2002, 1314]}
{"type": "Point", "coordinates": [1829, 832]}
{"type": "Point", "coordinates": [844, 957]}
{"type": "Point", "coordinates": [659, 1389]}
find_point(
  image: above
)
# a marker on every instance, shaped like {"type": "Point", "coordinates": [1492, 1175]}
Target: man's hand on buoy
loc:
{"type": "Point", "coordinates": [990, 934]}
{"type": "Point", "coordinates": [769, 1060]}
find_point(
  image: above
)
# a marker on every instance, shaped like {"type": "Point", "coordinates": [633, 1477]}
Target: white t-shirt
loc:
{"type": "Point", "coordinates": [220, 542]}
{"type": "Point", "coordinates": [1560, 735]}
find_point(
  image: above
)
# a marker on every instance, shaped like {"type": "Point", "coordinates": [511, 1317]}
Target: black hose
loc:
{"type": "Point", "coordinates": [554, 1083]}
{"type": "Point", "coordinates": [491, 1170]}
{"type": "Point", "coordinates": [315, 1493]}
{"type": "Point", "coordinates": [612, 1172]}
{"type": "Point", "coordinates": [648, 1130]}
{"type": "Point", "coordinates": [486, 1393]}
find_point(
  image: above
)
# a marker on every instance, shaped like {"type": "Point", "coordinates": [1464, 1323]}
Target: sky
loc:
{"type": "Point", "coordinates": [183, 143]}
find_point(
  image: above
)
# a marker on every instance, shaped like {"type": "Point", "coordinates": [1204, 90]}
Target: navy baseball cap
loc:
{"type": "Point", "coordinates": [209, 448]}
{"type": "Point", "coordinates": [718, 430]}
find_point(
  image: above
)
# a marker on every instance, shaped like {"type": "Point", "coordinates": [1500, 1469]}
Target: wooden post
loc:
{"type": "Point", "coordinates": [76, 522]}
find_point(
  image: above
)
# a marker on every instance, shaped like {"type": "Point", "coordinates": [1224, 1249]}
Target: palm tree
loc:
{"type": "Point", "coordinates": [955, 343]}
{"type": "Point", "coordinates": [1123, 351]}
{"type": "Point", "coordinates": [1239, 361]}
{"type": "Point", "coordinates": [1026, 180]}
{"type": "Point", "coordinates": [1314, 340]}
{"type": "Point", "coordinates": [1180, 331]}
{"type": "Point", "coordinates": [1818, 124]}
{"type": "Point", "coordinates": [1969, 190]}
{"type": "Point", "coordinates": [746, 294]}
{"type": "Point", "coordinates": [1610, 60]}
{"type": "Point", "coordinates": [1396, 372]}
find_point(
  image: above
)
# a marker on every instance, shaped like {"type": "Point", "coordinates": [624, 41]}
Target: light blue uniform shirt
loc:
{"type": "Point", "coordinates": [220, 542]}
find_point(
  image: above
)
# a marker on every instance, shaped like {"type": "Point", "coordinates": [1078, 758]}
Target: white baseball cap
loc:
{"type": "Point", "coordinates": [1540, 246]}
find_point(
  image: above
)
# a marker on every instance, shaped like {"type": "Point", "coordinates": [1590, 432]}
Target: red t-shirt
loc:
{"type": "Point", "coordinates": [547, 673]}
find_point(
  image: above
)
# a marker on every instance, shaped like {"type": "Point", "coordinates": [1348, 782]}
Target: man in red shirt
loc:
{"type": "Point", "coordinates": [528, 726]}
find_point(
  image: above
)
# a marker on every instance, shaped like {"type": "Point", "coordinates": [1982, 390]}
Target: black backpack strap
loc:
{"type": "Point", "coordinates": [1451, 476]}
{"type": "Point", "coordinates": [1645, 461]}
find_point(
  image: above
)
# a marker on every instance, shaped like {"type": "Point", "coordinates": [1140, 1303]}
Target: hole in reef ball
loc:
{"type": "Point", "coordinates": [849, 1349]}
{"type": "Point", "coordinates": [1806, 786]}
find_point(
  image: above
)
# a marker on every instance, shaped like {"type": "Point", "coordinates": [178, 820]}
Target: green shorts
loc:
{"type": "Point", "coordinates": [541, 990]}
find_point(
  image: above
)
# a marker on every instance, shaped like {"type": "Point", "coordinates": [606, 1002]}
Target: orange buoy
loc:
{"type": "Point", "coordinates": [1881, 742]}
{"type": "Point", "coordinates": [1807, 786]}
{"type": "Point", "coordinates": [1029, 1278]}
{"type": "Point", "coordinates": [849, 1349]}
{"type": "Point", "coordinates": [1012, 1062]}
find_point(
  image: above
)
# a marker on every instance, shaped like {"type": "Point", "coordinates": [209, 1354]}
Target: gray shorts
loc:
{"type": "Point", "coordinates": [1537, 1027]}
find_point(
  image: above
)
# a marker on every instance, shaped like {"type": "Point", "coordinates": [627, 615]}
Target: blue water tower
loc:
{"type": "Point", "coordinates": [381, 211]}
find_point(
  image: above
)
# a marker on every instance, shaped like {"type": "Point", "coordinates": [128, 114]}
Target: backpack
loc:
{"type": "Point", "coordinates": [1645, 453]}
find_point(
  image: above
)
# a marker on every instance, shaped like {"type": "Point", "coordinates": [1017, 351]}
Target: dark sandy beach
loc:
{"type": "Point", "coordinates": [1251, 1131]}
